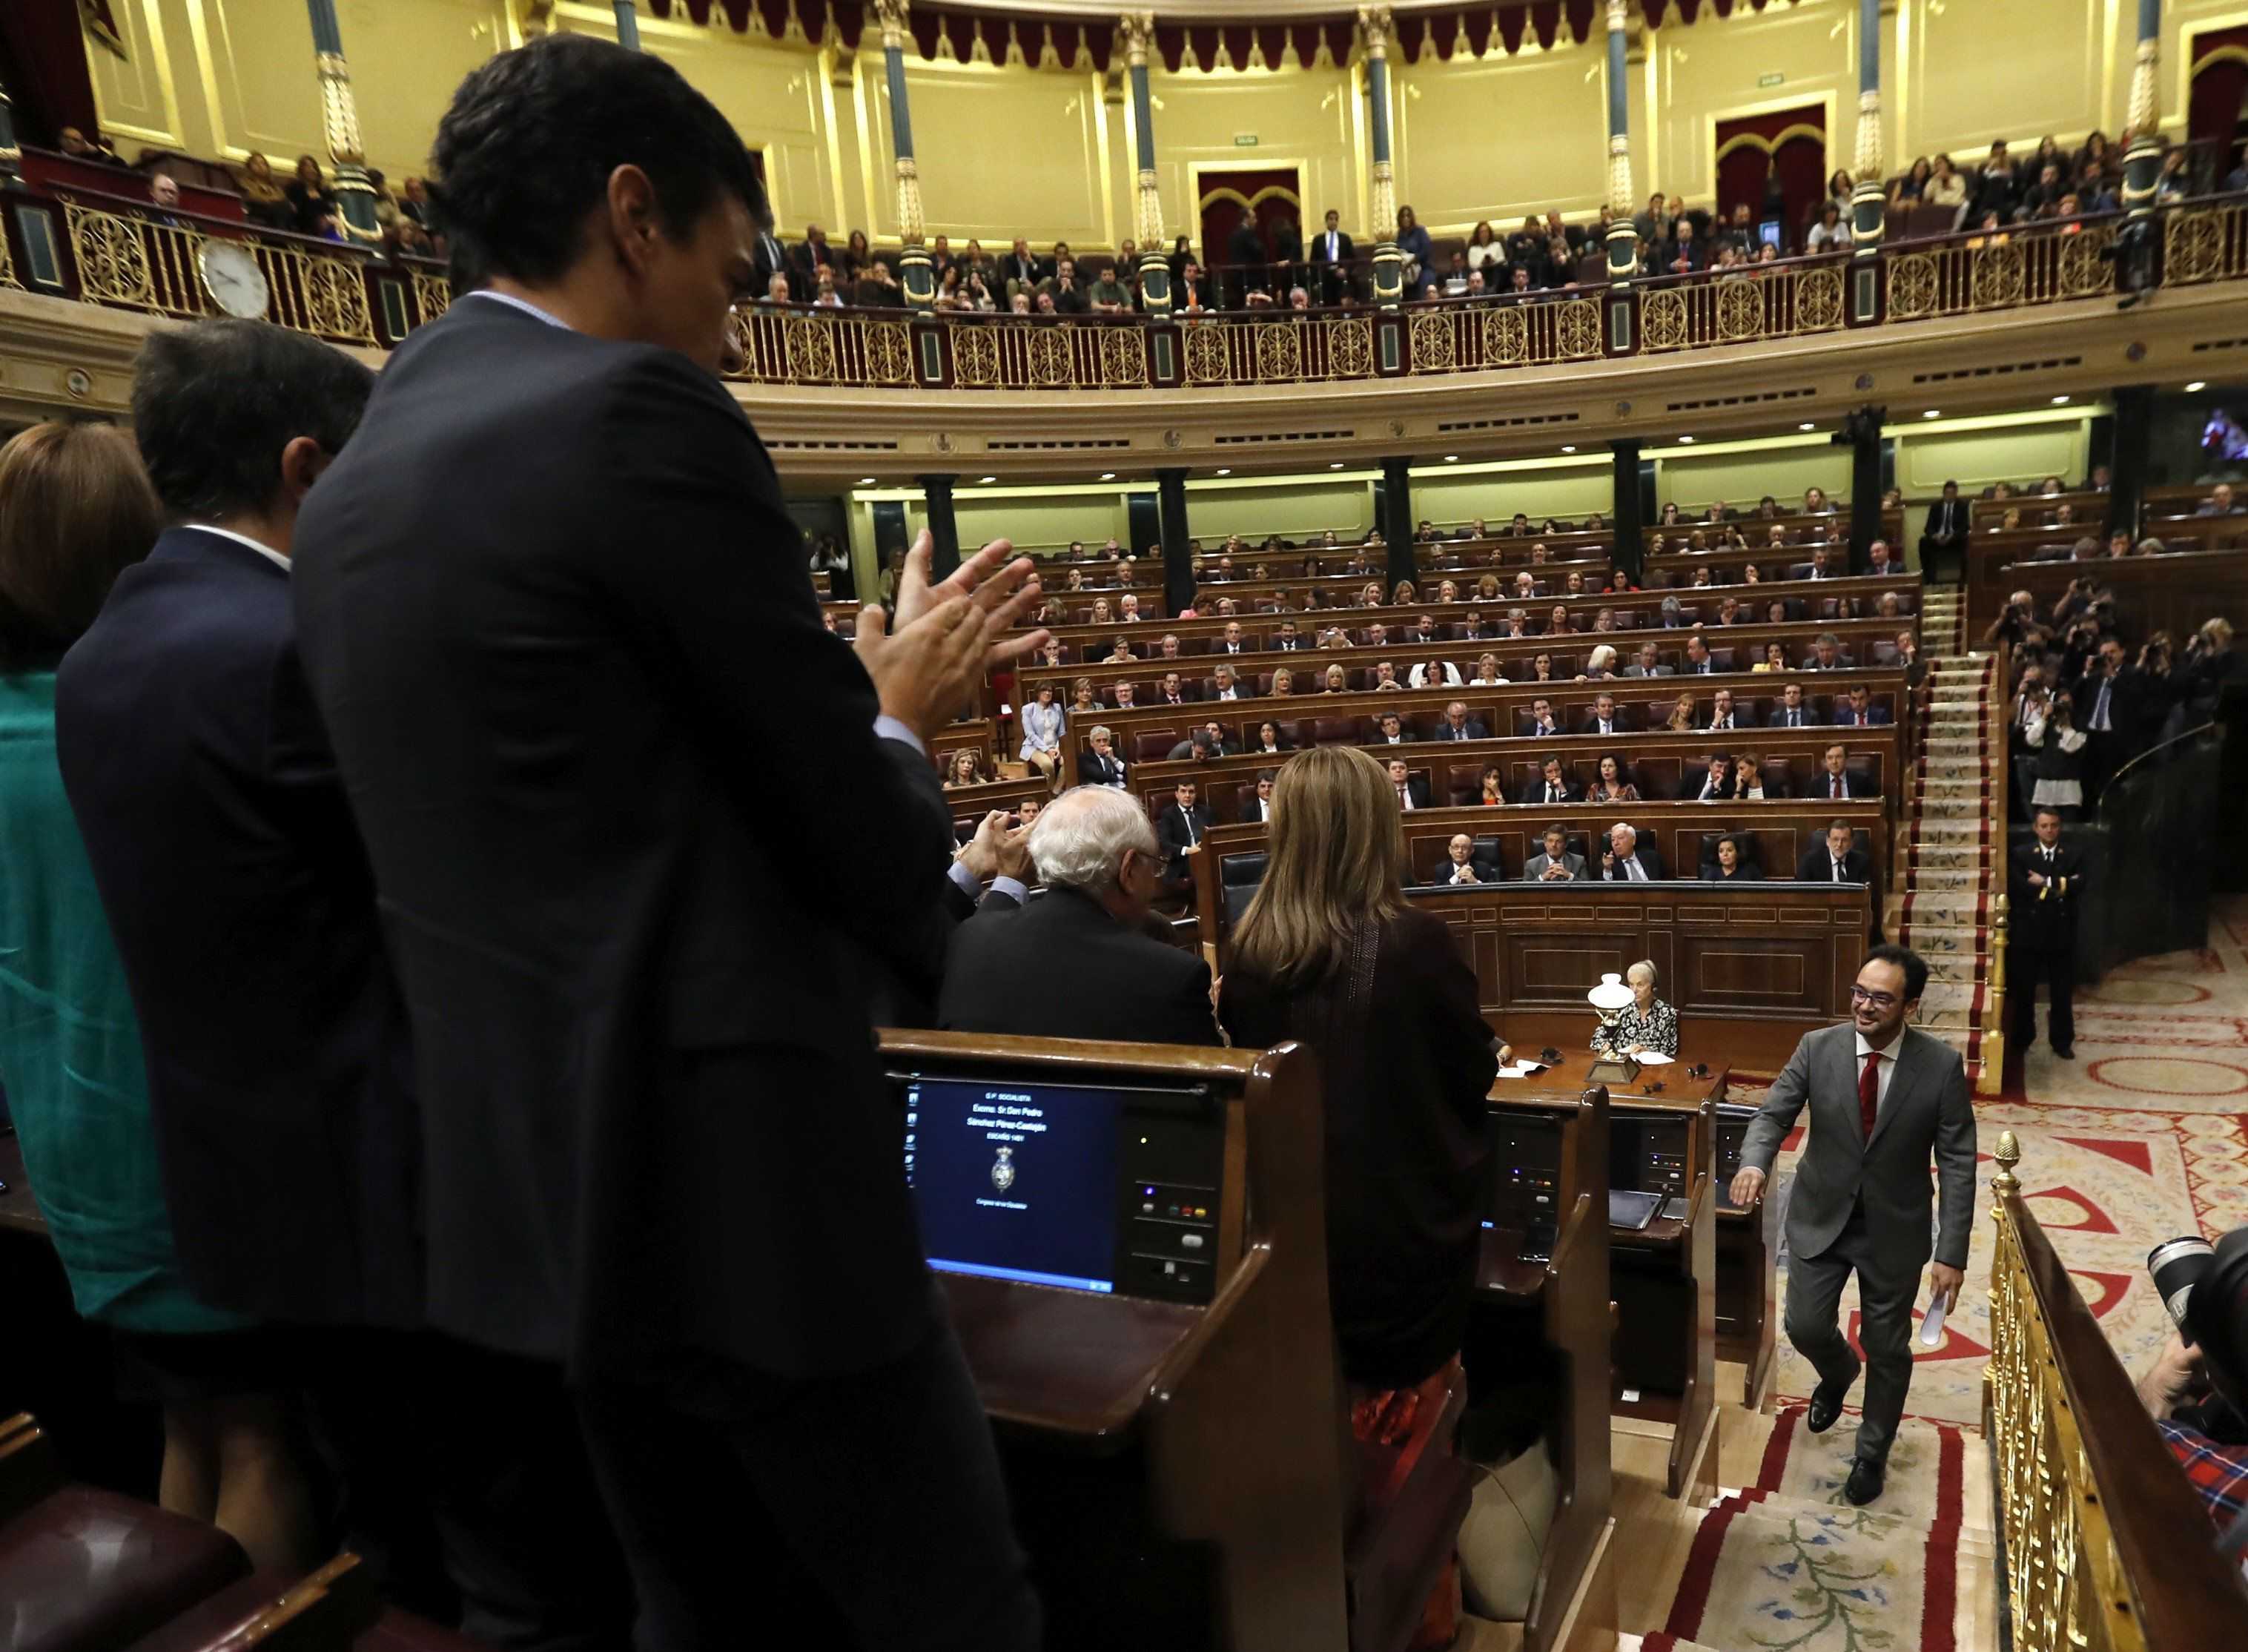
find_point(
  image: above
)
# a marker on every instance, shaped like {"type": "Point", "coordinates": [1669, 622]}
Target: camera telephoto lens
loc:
{"type": "Point", "coordinates": [2176, 1266]}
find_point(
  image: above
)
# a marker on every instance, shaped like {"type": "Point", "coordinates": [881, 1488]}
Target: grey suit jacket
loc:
{"type": "Point", "coordinates": [1638, 670]}
{"type": "Point", "coordinates": [1927, 1111]}
{"type": "Point", "coordinates": [1533, 869]}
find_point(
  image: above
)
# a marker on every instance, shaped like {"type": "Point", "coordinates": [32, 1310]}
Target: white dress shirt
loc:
{"type": "Point", "coordinates": [262, 550]}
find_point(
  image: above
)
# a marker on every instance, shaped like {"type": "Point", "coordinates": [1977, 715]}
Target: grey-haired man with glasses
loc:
{"type": "Point", "coordinates": [1883, 1097]}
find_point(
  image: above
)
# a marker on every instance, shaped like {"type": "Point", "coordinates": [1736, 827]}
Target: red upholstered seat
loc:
{"type": "Point", "coordinates": [84, 1570]}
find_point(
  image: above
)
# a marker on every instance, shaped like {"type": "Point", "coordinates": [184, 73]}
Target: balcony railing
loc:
{"type": "Point", "coordinates": [108, 250]}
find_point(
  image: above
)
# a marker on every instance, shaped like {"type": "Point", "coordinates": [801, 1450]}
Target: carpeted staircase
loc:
{"type": "Point", "coordinates": [1787, 1565]}
{"type": "Point", "coordinates": [1943, 886]}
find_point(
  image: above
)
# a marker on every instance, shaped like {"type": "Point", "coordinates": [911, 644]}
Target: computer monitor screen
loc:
{"type": "Point", "coordinates": [1768, 232]}
{"type": "Point", "coordinates": [1016, 1180]}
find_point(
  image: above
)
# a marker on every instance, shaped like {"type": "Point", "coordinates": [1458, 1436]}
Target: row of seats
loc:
{"type": "Point", "coordinates": [1659, 778]}
{"type": "Point", "coordinates": [1305, 683]}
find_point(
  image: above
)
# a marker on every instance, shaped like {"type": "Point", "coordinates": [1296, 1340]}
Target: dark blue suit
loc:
{"type": "Point", "coordinates": [278, 1067]}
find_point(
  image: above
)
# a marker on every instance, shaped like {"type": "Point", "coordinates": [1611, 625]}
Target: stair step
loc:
{"type": "Point", "coordinates": [1942, 880]}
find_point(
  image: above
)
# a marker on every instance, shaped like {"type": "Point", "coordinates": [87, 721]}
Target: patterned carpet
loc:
{"type": "Point", "coordinates": [2143, 1137]}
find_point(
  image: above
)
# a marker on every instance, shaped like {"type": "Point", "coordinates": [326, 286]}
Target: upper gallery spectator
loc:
{"type": "Point", "coordinates": [1830, 234]}
{"type": "Point", "coordinates": [311, 204]}
{"type": "Point", "coordinates": [1836, 859]}
{"type": "Point", "coordinates": [263, 202]}
{"type": "Point", "coordinates": [1108, 295]}
{"type": "Point", "coordinates": [1101, 865]}
{"type": "Point", "coordinates": [1556, 862]}
{"type": "Point", "coordinates": [1181, 828]}
{"type": "Point", "coordinates": [631, 976]}
{"type": "Point", "coordinates": [1836, 781]}
{"type": "Point", "coordinates": [1330, 954]}
{"type": "Point", "coordinates": [1418, 252]}
{"type": "Point", "coordinates": [1628, 858]}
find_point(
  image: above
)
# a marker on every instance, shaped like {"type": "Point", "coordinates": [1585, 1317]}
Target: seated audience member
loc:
{"type": "Point", "coordinates": [1554, 786]}
{"type": "Point", "coordinates": [1629, 858]}
{"type": "Point", "coordinates": [1835, 859]}
{"type": "Point", "coordinates": [1123, 694]}
{"type": "Point", "coordinates": [1858, 711]}
{"type": "Point", "coordinates": [76, 509]}
{"type": "Point", "coordinates": [1329, 954]}
{"type": "Point", "coordinates": [1457, 725]}
{"type": "Point", "coordinates": [2196, 1389]}
{"type": "Point", "coordinates": [1461, 866]}
{"type": "Point", "coordinates": [1101, 765]}
{"type": "Point", "coordinates": [1434, 674]}
{"type": "Point", "coordinates": [1172, 690]}
{"type": "Point", "coordinates": [1698, 663]}
{"type": "Point", "coordinates": [1487, 672]}
{"type": "Point", "coordinates": [1645, 1027]}
{"type": "Point", "coordinates": [1228, 687]}
{"type": "Point", "coordinates": [1826, 655]}
{"type": "Point", "coordinates": [1491, 791]}
{"type": "Point", "coordinates": [1182, 827]}
{"type": "Point", "coordinates": [1790, 712]}
{"type": "Point", "coordinates": [1728, 865]}
{"type": "Point", "coordinates": [1268, 739]}
{"type": "Point", "coordinates": [1613, 782]}
{"type": "Point", "coordinates": [1748, 778]}
{"type": "Point", "coordinates": [1836, 781]}
{"type": "Point", "coordinates": [1649, 664]}
{"type": "Point", "coordinates": [1258, 806]}
{"type": "Point", "coordinates": [1555, 862]}
{"type": "Point", "coordinates": [964, 767]}
{"type": "Point", "coordinates": [1721, 712]}
{"type": "Point", "coordinates": [1682, 719]}
{"type": "Point", "coordinates": [1389, 729]}
{"type": "Point", "coordinates": [1101, 865]}
{"type": "Point", "coordinates": [1718, 782]}
{"type": "Point", "coordinates": [1603, 722]}
{"type": "Point", "coordinates": [1284, 683]}
{"type": "Point", "coordinates": [2220, 502]}
{"type": "Point", "coordinates": [1601, 663]}
{"type": "Point", "coordinates": [1411, 790]}
{"type": "Point", "coordinates": [1775, 658]}
{"type": "Point", "coordinates": [1542, 724]}
{"type": "Point", "coordinates": [1878, 559]}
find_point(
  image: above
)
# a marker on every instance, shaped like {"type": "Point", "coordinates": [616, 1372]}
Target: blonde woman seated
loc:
{"type": "Point", "coordinates": [1283, 682]}
{"type": "Point", "coordinates": [1646, 1026]}
{"type": "Point", "coordinates": [1337, 680]}
{"type": "Point", "coordinates": [1683, 720]}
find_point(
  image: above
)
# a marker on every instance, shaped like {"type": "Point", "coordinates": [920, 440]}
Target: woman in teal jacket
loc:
{"type": "Point", "coordinates": [75, 509]}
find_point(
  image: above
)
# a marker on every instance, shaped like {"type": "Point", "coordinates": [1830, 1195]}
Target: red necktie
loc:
{"type": "Point", "coordinates": [1401, 794]}
{"type": "Point", "coordinates": [1869, 1091]}
{"type": "Point", "coordinates": [1834, 786]}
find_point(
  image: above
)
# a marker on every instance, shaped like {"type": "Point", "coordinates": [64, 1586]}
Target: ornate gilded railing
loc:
{"type": "Point", "coordinates": [2005, 270]}
{"type": "Point", "coordinates": [1775, 301]}
{"type": "Point", "coordinates": [109, 250]}
{"type": "Point", "coordinates": [2108, 1546]}
{"type": "Point", "coordinates": [122, 254]}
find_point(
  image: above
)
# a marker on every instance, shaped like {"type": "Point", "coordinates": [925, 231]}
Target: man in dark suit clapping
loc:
{"type": "Point", "coordinates": [1884, 1097]}
{"type": "Point", "coordinates": [2045, 885]}
{"type": "Point", "coordinates": [619, 1014]}
{"type": "Point", "coordinates": [1180, 829]}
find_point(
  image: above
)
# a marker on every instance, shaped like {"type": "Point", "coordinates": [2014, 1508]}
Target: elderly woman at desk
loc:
{"type": "Point", "coordinates": [1646, 1026]}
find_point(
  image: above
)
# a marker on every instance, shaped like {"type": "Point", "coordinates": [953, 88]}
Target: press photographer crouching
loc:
{"type": "Point", "coordinates": [2196, 1390]}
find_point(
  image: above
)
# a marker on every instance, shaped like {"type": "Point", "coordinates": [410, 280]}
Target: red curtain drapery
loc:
{"type": "Point", "coordinates": [1791, 142]}
{"type": "Point", "coordinates": [2219, 61]}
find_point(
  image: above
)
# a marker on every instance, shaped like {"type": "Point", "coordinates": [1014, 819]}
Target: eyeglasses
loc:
{"type": "Point", "coordinates": [1878, 1000]}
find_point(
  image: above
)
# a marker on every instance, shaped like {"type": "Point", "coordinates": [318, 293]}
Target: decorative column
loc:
{"type": "Point", "coordinates": [1629, 555]}
{"type": "Point", "coordinates": [12, 157]}
{"type": "Point", "coordinates": [2130, 444]}
{"type": "Point", "coordinates": [943, 526]}
{"type": "Point", "coordinates": [2142, 162]}
{"type": "Point", "coordinates": [914, 272]}
{"type": "Point", "coordinates": [1623, 240]}
{"type": "Point", "coordinates": [1864, 429]}
{"type": "Point", "coordinates": [1138, 29]}
{"type": "Point", "coordinates": [1868, 201]}
{"type": "Point", "coordinates": [1388, 265]}
{"type": "Point", "coordinates": [339, 114]}
{"type": "Point", "coordinates": [1171, 524]}
{"type": "Point", "coordinates": [1396, 517]}
{"type": "Point", "coordinates": [627, 25]}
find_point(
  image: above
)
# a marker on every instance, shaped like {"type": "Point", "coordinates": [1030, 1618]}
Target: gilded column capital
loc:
{"type": "Point", "coordinates": [891, 14]}
{"type": "Point", "coordinates": [1619, 16]}
{"type": "Point", "coordinates": [1137, 29]}
{"type": "Point", "coordinates": [2145, 105]}
{"type": "Point", "coordinates": [1869, 157]}
{"type": "Point", "coordinates": [1374, 30]}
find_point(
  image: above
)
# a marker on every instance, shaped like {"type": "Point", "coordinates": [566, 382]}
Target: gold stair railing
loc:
{"type": "Point", "coordinates": [2108, 1546]}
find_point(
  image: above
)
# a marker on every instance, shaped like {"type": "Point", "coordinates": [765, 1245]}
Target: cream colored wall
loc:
{"type": "Point", "coordinates": [1049, 153]}
{"type": "Point", "coordinates": [1449, 496]}
{"type": "Point", "coordinates": [1482, 140]}
{"type": "Point", "coordinates": [1300, 118]}
{"type": "Point", "coordinates": [1741, 477]}
{"type": "Point", "coordinates": [1976, 454]}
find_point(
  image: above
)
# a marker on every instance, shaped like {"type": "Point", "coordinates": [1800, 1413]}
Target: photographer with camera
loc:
{"type": "Point", "coordinates": [2196, 1390]}
{"type": "Point", "coordinates": [2014, 624]}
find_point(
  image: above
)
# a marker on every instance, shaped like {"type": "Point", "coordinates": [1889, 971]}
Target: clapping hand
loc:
{"type": "Point", "coordinates": [927, 653]}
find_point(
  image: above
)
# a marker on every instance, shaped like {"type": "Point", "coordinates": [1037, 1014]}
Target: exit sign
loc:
{"type": "Point", "coordinates": [1244, 140]}
{"type": "Point", "coordinates": [1770, 79]}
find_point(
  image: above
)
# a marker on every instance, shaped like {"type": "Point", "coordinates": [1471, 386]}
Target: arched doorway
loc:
{"type": "Point", "coordinates": [1259, 200]}
{"type": "Point", "coordinates": [1785, 148]}
{"type": "Point", "coordinates": [2214, 104]}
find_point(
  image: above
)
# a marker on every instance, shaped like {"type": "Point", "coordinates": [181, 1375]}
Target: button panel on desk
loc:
{"type": "Point", "coordinates": [1526, 1167]}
